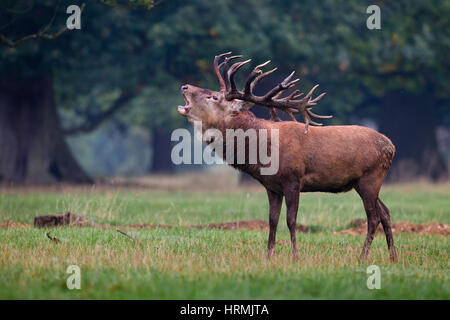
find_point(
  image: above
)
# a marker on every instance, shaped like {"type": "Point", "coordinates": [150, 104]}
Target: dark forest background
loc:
{"type": "Point", "coordinates": [76, 105]}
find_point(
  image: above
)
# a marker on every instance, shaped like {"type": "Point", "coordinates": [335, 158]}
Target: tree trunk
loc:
{"type": "Point", "coordinates": [410, 122]}
{"type": "Point", "coordinates": [32, 147]}
{"type": "Point", "coordinates": [161, 150]}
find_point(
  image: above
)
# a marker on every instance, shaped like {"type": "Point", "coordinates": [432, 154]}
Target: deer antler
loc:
{"type": "Point", "coordinates": [290, 104]}
{"type": "Point", "coordinates": [217, 69]}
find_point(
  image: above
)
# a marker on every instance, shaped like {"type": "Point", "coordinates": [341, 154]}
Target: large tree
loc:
{"type": "Point", "coordinates": [45, 67]}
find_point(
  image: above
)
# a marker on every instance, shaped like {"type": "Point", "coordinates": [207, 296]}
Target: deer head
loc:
{"type": "Point", "coordinates": [211, 106]}
{"type": "Point", "coordinates": [207, 105]}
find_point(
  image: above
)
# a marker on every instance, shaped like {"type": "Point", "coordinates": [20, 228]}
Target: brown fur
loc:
{"type": "Point", "coordinates": [326, 159]}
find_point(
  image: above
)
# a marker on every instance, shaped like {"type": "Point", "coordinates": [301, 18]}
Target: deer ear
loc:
{"type": "Point", "coordinates": [239, 105]}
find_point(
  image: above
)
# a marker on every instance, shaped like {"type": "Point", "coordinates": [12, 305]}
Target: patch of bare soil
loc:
{"type": "Point", "coordinates": [145, 226]}
{"type": "Point", "coordinates": [360, 227]}
{"type": "Point", "coordinates": [249, 224]}
{"type": "Point", "coordinates": [357, 226]}
{"type": "Point", "coordinates": [75, 220]}
{"type": "Point", "coordinates": [234, 225]}
{"type": "Point", "coordinates": [7, 225]}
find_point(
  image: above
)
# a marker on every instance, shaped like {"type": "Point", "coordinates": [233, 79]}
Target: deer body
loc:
{"type": "Point", "coordinates": [326, 159]}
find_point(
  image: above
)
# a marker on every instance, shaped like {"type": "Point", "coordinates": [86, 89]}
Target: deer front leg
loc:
{"type": "Point", "coordinates": [292, 194]}
{"type": "Point", "coordinates": [275, 202]}
{"type": "Point", "coordinates": [369, 197]}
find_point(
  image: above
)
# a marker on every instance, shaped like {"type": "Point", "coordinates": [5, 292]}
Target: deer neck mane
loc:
{"type": "Point", "coordinates": [241, 120]}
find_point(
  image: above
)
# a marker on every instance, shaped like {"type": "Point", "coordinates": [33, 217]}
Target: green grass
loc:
{"type": "Point", "coordinates": [183, 263]}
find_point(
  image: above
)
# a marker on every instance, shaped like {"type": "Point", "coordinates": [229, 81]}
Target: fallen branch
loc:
{"type": "Point", "coordinates": [55, 240]}
{"type": "Point", "coordinates": [128, 236]}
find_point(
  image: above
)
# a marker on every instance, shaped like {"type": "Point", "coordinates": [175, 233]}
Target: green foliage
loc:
{"type": "Point", "coordinates": [135, 4]}
{"type": "Point", "coordinates": [326, 42]}
{"type": "Point", "coordinates": [151, 53]}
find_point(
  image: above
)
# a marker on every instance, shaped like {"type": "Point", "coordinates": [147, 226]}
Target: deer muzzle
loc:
{"type": "Point", "coordinates": [184, 109]}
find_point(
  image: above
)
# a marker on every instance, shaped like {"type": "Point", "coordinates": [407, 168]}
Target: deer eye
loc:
{"type": "Point", "coordinates": [214, 97]}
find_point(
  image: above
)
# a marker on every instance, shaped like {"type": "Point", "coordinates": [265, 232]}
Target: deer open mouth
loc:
{"type": "Point", "coordinates": [184, 109]}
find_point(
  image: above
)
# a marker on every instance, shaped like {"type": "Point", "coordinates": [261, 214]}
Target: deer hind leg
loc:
{"type": "Point", "coordinates": [275, 202]}
{"type": "Point", "coordinates": [385, 217]}
{"type": "Point", "coordinates": [292, 195]}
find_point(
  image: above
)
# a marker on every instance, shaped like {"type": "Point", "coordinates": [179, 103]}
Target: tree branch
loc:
{"type": "Point", "coordinates": [98, 119]}
{"type": "Point", "coordinates": [39, 35]}
{"type": "Point", "coordinates": [18, 11]}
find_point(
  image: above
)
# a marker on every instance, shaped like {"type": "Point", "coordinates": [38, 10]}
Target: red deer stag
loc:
{"type": "Point", "coordinates": [319, 159]}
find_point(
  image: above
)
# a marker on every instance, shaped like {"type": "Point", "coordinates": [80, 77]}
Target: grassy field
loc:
{"type": "Point", "coordinates": [182, 263]}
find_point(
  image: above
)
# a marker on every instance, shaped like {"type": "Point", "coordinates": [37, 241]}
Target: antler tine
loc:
{"type": "Point", "coordinates": [287, 86]}
{"type": "Point", "coordinates": [317, 98]}
{"type": "Point", "coordinates": [307, 113]}
{"type": "Point", "coordinates": [255, 72]}
{"type": "Point", "coordinates": [309, 94]}
{"type": "Point", "coordinates": [282, 86]}
{"type": "Point", "coordinates": [217, 69]}
{"type": "Point", "coordinates": [277, 95]}
{"type": "Point", "coordinates": [291, 112]}
{"type": "Point", "coordinates": [289, 97]}
{"type": "Point", "coordinates": [308, 121]}
{"type": "Point", "coordinates": [288, 78]}
{"type": "Point", "coordinates": [226, 68]}
{"type": "Point", "coordinates": [258, 78]}
{"type": "Point", "coordinates": [226, 60]}
{"type": "Point", "coordinates": [232, 71]}
{"type": "Point", "coordinates": [297, 95]}
{"type": "Point", "coordinates": [216, 58]}
{"type": "Point", "coordinates": [274, 115]}
{"type": "Point", "coordinates": [318, 116]}
{"type": "Point", "coordinates": [291, 115]}
{"type": "Point", "coordinates": [315, 123]}
{"type": "Point", "coordinates": [259, 66]}
{"type": "Point", "coordinates": [293, 82]}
